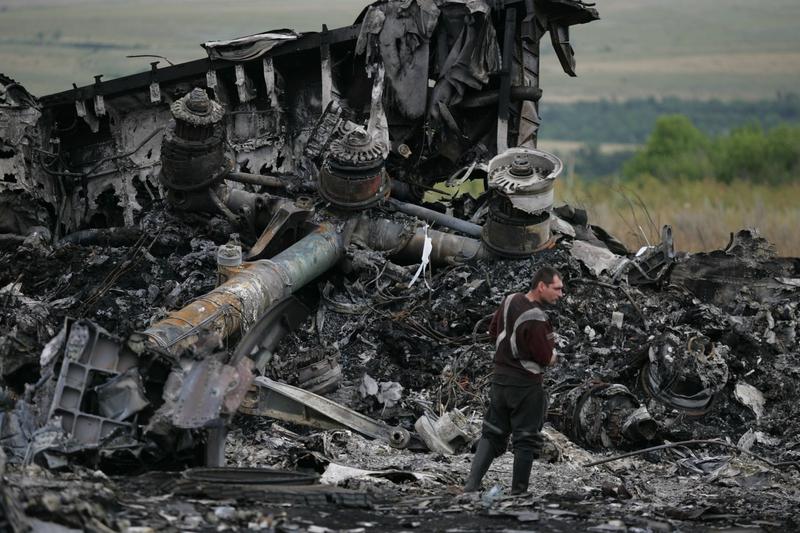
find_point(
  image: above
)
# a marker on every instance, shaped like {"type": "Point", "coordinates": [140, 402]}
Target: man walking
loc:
{"type": "Point", "coordinates": [524, 344]}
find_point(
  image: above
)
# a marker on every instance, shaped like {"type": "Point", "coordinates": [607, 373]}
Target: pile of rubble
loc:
{"type": "Point", "coordinates": [228, 303]}
{"type": "Point", "coordinates": [706, 356]}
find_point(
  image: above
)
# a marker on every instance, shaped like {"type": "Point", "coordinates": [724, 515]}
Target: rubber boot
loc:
{"type": "Point", "coordinates": [483, 458]}
{"type": "Point", "coordinates": [521, 473]}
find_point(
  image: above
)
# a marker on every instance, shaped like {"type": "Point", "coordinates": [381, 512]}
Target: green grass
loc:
{"type": "Point", "coordinates": [702, 213]}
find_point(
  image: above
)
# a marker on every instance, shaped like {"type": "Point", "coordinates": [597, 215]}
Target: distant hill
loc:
{"type": "Point", "coordinates": [700, 49]}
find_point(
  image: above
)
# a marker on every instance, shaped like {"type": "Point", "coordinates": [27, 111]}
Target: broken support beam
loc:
{"type": "Point", "coordinates": [292, 404]}
{"type": "Point", "coordinates": [325, 66]}
{"type": "Point", "coordinates": [504, 99]}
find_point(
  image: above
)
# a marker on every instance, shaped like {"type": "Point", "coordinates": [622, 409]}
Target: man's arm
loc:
{"type": "Point", "coordinates": [495, 324]}
{"type": "Point", "coordinates": [539, 340]}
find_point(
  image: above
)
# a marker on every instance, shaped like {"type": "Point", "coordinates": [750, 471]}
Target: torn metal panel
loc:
{"type": "Point", "coordinates": [747, 266]}
{"type": "Point", "coordinates": [526, 65]}
{"type": "Point", "coordinates": [378, 124]}
{"type": "Point", "coordinates": [397, 34]}
{"type": "Point", "coordinates": [113, 178]}
{"type": "Point", "coordinates": [503, 110]}
{"type": "Point", "coordinates": [121, 397]}
{"type": "Point", "coordinates": [325, 68]}
{"type": "Point", "coordinates": [249, 47]}
{"type": "Point", "coordinates": [284, 402]}
{"type": "Point", "coordinates": [19, 138]}
{"type": "Point", "coordinates": [596, 259]}
{"type": "Point", "coordinates": [208, 391]}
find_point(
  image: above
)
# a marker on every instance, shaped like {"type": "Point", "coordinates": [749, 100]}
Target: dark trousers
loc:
{"type": "Point", "coordinates": [517, 411]}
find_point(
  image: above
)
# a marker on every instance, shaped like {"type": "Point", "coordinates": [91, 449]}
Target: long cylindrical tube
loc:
{"type": "Point", "coordinates": [255, 179]}
{"type": "Point", "coordinates": [408, 243]}
{"type": "Point", "coordinates": [239, 302]}
{"type": "Point", "coordinates": [467, 228]}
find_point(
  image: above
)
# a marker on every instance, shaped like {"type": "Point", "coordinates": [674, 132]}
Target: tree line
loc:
{"type": "Point", "coordinates": [631, 121]}
{"type": "Point", "coordinates": [677, 149]}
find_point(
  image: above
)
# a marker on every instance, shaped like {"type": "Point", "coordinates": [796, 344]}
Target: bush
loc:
{"type": "Point", "coordinates": [678, 150]}
{"type": "Point", "coordinates": [675, 150]}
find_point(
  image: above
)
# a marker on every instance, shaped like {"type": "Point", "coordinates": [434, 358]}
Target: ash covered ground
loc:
{"type": "Point", "coordinates": [719, 329]}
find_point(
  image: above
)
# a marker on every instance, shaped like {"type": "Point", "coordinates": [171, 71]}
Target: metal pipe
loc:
{"type": "Point", "coordinates": [407, 243]}
{"type": "Point", "coordinates": [467, 228]}
{"type": "Point", "coordinates": [447, 248]}
{"type": "Point", "coordinates": [236, 304]}
{"type": "Point", "coordinates": [255, 179]}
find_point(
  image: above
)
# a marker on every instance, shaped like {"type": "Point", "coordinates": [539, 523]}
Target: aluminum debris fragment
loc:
{"type": "Point", "coordinates": [595, 258]}
{"type": "Point", "coordinates": [751, 397]}
{"type": "Point", "coordinates": [444, 434]}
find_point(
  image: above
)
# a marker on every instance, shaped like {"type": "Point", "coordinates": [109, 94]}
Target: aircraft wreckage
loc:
{"type": "Point", "coordinates": [196, 253]}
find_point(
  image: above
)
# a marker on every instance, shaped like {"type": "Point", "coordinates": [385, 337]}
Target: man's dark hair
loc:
{"type": "Point", "coordinates": [545, 274]}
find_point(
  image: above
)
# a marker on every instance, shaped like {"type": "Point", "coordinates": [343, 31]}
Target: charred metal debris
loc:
{"type": "Point", "coordinates": [192, 253]}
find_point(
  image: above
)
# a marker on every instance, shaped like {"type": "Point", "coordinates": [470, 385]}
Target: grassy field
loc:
{"type": "Point", "coordinates": [689, 48]}
{"type": "Point", "coordinates": [702, 213]}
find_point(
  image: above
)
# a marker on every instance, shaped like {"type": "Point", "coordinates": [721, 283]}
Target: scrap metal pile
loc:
{"type": "Point", "coordinates": [236, 261]}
